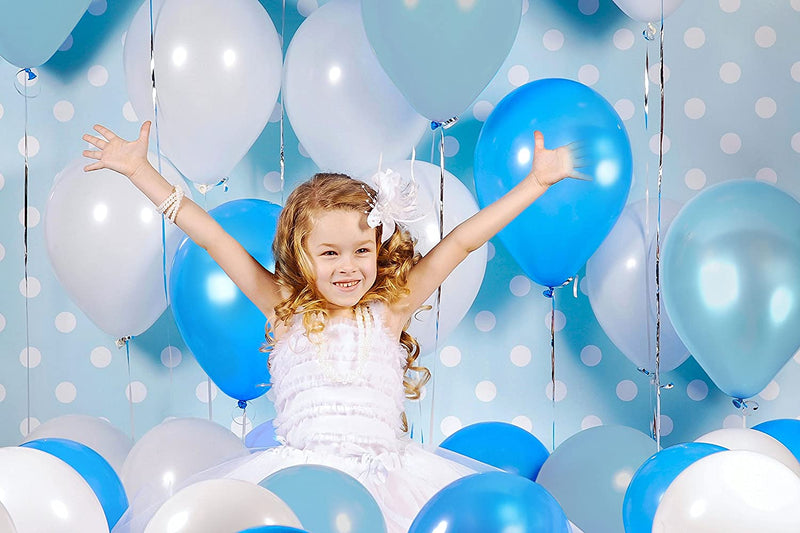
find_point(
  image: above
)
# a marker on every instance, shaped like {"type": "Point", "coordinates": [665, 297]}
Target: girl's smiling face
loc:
{"type": "Point", "coordinates": [343, 252]}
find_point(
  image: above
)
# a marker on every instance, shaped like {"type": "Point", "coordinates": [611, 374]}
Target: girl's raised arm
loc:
{"type": "Point", "coordinates": [130, 159]}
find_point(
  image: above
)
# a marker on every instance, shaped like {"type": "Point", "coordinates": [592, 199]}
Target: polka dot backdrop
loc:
{"type": "Point", "coordinates": [732, 72]}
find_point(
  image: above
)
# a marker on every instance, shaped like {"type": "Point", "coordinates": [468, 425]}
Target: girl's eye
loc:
{"type": "Point", "coordinates": [362, 251]}
{"type": "Point", "coordinates": [329, 253]}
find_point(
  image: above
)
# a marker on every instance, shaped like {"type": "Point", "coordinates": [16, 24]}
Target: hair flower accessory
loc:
{"type": "Point", "coordinates": [396, 201]}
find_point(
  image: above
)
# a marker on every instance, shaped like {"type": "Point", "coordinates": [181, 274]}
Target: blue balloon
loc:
{"type": "Point", "coordinates": [784, 430]}
{"type": "Point", "coordinates": [502, 445]}
{"type": "Point", "coordinates": [262, 436]}
{"type": "Point", "coordinates": [653, 478]}
{"type": "Point", "coordinates": [223, 329]}
{"type": "Point", "coordinates": [100, 475]}
{"type": "Point", "coordinates": [492, 501]}
{"type": "Point", "coordinates": [273, 529]}
{"type": "Point", "coordinates": [553, 238]}
{"type": "Point", "coordinates": [731, 282]}
{"type": "Point", "coordinates": [323, 497]}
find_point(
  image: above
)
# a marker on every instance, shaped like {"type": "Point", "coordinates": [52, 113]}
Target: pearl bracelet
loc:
{"type": "Point", "coordinates": [169, 207]}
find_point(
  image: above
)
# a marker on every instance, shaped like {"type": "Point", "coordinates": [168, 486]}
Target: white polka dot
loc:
{"type": "Point", "coordinates": [627, 390]}
{"type": "Point", "coordinates": [2, 322]}
{"type": "Point", "coordinates": [33, 146]}
{"type": "Point", "coordinates": [2, 393]}
{"type": "Point", "coordinates": [591, 355]}
{"type": "Point", "coordinates": [31, 289]}
{"type": "Point", "coordinates": [30, 357]}
{"type": "Point", "coordinates": [591, 421]}
{"type": "Point", "coordinates": [767, 175]}
{"type": "Point", "coordinates": [730, 143]}
{"type": "Point", "coordinates": [100, 357]}
{"type": "Point", "coordinates": [795, 72]}
{"type": "Point", "coordinates": [485, 321]}
{"type": "Point", "coordinates": [730, 72]}
{"type": "Point", "coordinates": [553, 40]}
{"type": "Point", "coordinates": [766, 107]}
{"type": "Point", "coordinates": [519, 285]}
{"type": "Point", "coordinates": [272, 181]}
{"type": "Point", "coordinates": [2, 181]}
{"type": "Point", "coordinates": [450, 356]}
{"type": "Point", "coordinates": [201, 391]}
{"type": "Point", "coordinates": [275, 116]}
{"type": "Point", "coordinates": [520, 355]}
{"type": "Point", "coordinates": [588, 74]}
{"type": "Point", "coordinates": [694, 108]}
{"type": "Point", "coordinates": [2, 252]}
{"type": "Point", "coordinates": [129, 113]}
{"type": "Point", "coordinates": [97, 7]}
{"type": "Point", "coordinates": [34, 217]}
{"type": "Point", "coordinates": [65, 322]}
{"type": "Point", "coordinates": [625, 109]}
{"type": "Point", "coordinates": [490, 251]}
{"type": "Point", "coordinates": [667, 425]}
{"type": "Point", "coordinates": [559, 321]}
{"type": "Point", "coordinates": [306, 7]}
{"type": "Point", "coordinates": [695, 179]}
{"type": "Point", "coordinates": [697, 390]}
{"type": "Point", "coordinates": [765, 36]}
{"type": "Point", "coordinates": [795, 5]}
{"type": "Point", "coordinates": [561, 390]}
{"type": "Point", "coordinates": [236, 425]}
{"type": "Point", "coordinates": [523, 422]}
{"type": "Point", "coordinates": [732, 421]}
{"type": "Point", "coordinates": [796, 142]}
{"type": "Point", "coordinates": [485, 391]}
{"type": "Point", "coordinates": [518, 75]}
{"type": "Point", "coordinates": [1, 110]}
{"type": "Point", "coordinates": [771, 391]}
{"type": "Point", "coordinates": [67, 44]}
{"type": "Point", "coordinates": [655, 74]}
{"type": "Point", "coordinates": [97, 75]}
{"type": "Point", "coordinates": [451, 146]}
{"type": "Point", "coordinates": [729, 6]}
{"type": "Point", "coordinates": [588, 7]}
{"type": "Point", "coordinates": [66, 392]}
{"type": "Point", "coordinates": [171, 357]}
{"type": "Point", "coordinates": [694, 37]}
{"type": "Point", "coordinates": [28, 424]}
{"type": "Point", "coordinates": [302, 150]}
{"type": "Point", "coordinates": [449, 425]}
{"type": "Point", "coordinates": [23, 80]}
{"type": "Point", "coordinates": [63, 111]}
{"type": "Point", "coordinates": [482, 109]}
{"type": "Point", "coordinates": [654, 141]}
{"type": "Point", "coordinates": [622, 478]}
{"type": "Point", "coordinates": [623, 39]}
{"type": "Point", "coordinates": [136, 391]}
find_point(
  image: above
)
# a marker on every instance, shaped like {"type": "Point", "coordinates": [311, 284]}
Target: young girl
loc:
{"type": "Point", "coordinates": [346, 283]}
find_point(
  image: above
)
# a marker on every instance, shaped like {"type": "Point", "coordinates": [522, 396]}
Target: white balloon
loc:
{"type": "Point", "coordinates": [103, 238]}
{"type": "Point", "coordinates": [621, 283]}
{"type": "Point", "coordinates": [648, 10]}
{"type": "Point", "coordinates": [343, 107]}
{"type": "Point", "coordinates": [6, 523]}
{"type": "Point", "coordinates": [754, 441]}
{"type": "Point", "coordinates": [43, 493]}
{"type": "Point", "coordinates": [136, 59]}
{"type": "Point", "coordinates": [735, 491]}
{"type": "Point", "coordinates": [111, 443]}
{"type": "Point", "coordinates": [461, 287]}
{"type": "Point", "coordinates": [221, 505]}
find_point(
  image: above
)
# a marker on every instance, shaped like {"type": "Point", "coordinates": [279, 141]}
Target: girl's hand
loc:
{"type": "Point", "coordinates": [551, 166]}
{"type": "Point", "coordinates": [115, 153]}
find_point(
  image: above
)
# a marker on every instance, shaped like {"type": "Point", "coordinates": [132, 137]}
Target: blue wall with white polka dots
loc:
{"type": "Point", "coordinates": [732, 71]}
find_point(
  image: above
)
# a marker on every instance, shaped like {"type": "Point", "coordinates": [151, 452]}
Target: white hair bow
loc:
{"type": "Point", "coordinates": [396, 201]}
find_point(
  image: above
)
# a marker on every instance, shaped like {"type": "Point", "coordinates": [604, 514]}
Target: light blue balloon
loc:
{"type": "Point", "coordinates": [323, 497]}
{"type": "Point", "coordinates": [223, 329]}
{"type": "Point", "coordinates": [100, 475]}
{"type": "Point", "coordinates": [500, 444]}
{"type": "Point", "coordinates": [653, 478]}
{"type": "Point", "coordinates": [785, 430]}
{"type": "Point", "coordinates": [273, 529]}
{"type": "Point", "coordinates": [731, 282]}
{"type": "Point", "coordinates": [32, 30]}
{"type": "Point", "coordinates": [589, 472]}
{"type": "Point", "coordinates": [441, 55]}
{"type": "Point", "coordinates": [492, 501]}
{"type": "Point", "coordinates": [552, 239]}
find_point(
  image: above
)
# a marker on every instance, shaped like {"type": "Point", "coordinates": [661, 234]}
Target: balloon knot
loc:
{"type": "Point", "coordinates": [31, 74]}
{"type": "Point", "coordinates": [242, 404]}
{"type": "Point", "coordinates": [435, 124]}
{"type": "Point", "coordinates": [548, 292]}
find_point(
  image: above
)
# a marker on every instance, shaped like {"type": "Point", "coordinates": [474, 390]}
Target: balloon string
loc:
{"type": "Point", "coordinates": [283, 153]}
{"type": "Point", "coordinates": [244, 423]}
{"type": "Point", "coordinates": [553, 363]}
{"type": "Point", "coordinates": [126, 342]}
{"type": "Point", "coordinates": [29, 75]}
{"type": "Point", "coordinates": [658, 235]}
{"type": "Point", "coordinates": [209, 384]}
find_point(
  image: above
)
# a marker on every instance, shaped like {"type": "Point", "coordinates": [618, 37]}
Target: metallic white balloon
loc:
{"type": "Point", "coordinates": [754, 441]}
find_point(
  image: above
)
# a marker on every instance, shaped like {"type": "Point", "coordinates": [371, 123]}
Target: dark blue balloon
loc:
{"type": "Point", "coordinates": [262, 436]}
{"type": "Point", "coordinates": [785, 430]}
{"type": "Point", "coordinates": [653, 478]}
{"type": "Point", "coordinates": [552, 239]}
{"type": "Point", "coordinates": [223, 329]}
{"type": "Point", "coordinates": [92, 467]}
{"type": "Point", "coordinates": [273, 529]}
{"type": "Point", "coordinates": [499, 444]}
{"type": "Point", "coordinates": [492, 501]}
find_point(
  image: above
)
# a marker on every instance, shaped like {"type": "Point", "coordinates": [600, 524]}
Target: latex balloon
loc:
{"type": "Point", "coordinates": [492, 501]}
{"type": "Point", "coordinates": [273, 529]}
{"type": "Point", "coordinates": [98, 434]}
{"type": "Point", "coordinates": [31, 32]}
{"type": "Point", "coordinates": [784, 430]}
{"type": "Point", "coordinates": [499, 444]}
{"type": "Point", "coordinates": [220, 325]}
{"type": "Point", "coordinates": [216, 505]}
{"type": "Point", "coordinates": [755, 441]}
{"type": "Point", "coordinates": [553, 238]}
{"type": "Point", "coordinates": [589, 473]}
{"type": "Point", "coordinates": [324, 498]}
{"type": "Point", "coordinates": [648, 10]}
{"type": "Point", "coordinates": [731, 282]}
{"type": "Point", "coordinates": [441, 55]}
{"type": "Point", "coordinates": [104, 238]}
{"type": "Point", "coordinates": [64, 500]}
{"type": "Point", "coordinates": [621, 283]}
{"type": "Point", "coordinates": [344, 109]}
{"type": "Point", "coordinates": [6, 523]}
{"type": "Point", "coordinates": [136, 61]}
{"type": "Point", "coordinates": [462, 285]}
{"type": "Point", "coordinates": [733, 491]}
{"type": "Point", "coordinates": [652, 479]}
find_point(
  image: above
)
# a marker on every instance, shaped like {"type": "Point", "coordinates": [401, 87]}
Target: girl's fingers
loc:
{"type": "Point", "coordinates": [91, 139]}
{"type": "Point", "coordinates": [93, 166]}
{"type": "Point", "coordinates": [105, 132]}
{"type": "Point", "coordinates": [580, 176]}
{"type": "Point", "coordinates": [92, 154]}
